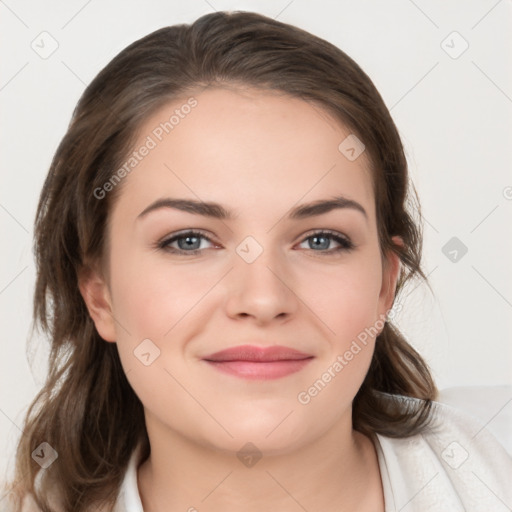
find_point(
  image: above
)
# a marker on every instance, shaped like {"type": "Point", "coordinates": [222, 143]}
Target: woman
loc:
{"type": "Point", "coordinates": [220, 241]}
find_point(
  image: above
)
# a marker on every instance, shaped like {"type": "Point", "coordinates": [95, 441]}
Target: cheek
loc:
{"type": "Point", "coordinates": [345, 298]}
{"type": "Point", "coordinates": [155, 301]}
{"type": "Point", "coordinates": [151, 296]}
{"type": "Point", "coordinates": [348, 308]}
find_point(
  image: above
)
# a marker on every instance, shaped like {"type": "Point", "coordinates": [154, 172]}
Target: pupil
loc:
{"type": "Point", "coordinates": [325, 245]}
{"type": "Point", "coordinates": [190, 240]}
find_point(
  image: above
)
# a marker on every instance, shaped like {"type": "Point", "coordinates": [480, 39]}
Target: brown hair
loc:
{"type": "Point", "coordinates": [87, 410]}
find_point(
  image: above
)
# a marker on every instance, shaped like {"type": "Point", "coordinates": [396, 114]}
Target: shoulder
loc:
{"type": "Point", "coordinates": [491, 405]}
{"type": "Point", "coordinates": [455, 464]}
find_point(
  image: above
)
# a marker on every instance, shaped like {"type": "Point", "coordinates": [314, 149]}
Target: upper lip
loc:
{"type": "Point", "coordinates": [258, 354]}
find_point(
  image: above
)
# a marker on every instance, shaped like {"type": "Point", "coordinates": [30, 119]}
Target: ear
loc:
{"type": "Point", "coordinates": [97, 298]}
{"type": "Point", "coordinates": [390, 273]}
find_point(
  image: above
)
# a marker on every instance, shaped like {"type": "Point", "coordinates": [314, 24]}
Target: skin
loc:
{"type": "Point", "coordinates": [259, 154]}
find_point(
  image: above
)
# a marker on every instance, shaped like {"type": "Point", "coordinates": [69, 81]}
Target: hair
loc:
{"type": "Point", "coordinates": [86, 409]}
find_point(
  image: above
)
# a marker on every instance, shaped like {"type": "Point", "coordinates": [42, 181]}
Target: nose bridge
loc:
{"type": "Point", "coordinates": [259, 282]}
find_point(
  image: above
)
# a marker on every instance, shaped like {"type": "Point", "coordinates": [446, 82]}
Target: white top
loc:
{"type": "Point", "coordinates": [456, 466]}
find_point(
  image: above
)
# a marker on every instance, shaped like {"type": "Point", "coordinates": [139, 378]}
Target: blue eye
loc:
{"type": "Point", "coordinates": [189, 243]}
{"type": "Point", "coordinates": [323, 239]}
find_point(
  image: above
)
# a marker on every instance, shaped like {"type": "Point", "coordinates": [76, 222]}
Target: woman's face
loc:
{"type": "Point", "coordinates": [256, 276]}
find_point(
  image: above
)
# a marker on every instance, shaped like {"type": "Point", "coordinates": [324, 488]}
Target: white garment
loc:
{"type": "Point", "coordinates": [454, 466]}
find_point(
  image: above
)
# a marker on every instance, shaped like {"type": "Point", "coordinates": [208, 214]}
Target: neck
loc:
{"type": "Point", "coordinates": [337, 472]}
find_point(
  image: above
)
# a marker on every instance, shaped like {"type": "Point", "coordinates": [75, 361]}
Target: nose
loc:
{"type": "Point", "coordinates": [262, 290]}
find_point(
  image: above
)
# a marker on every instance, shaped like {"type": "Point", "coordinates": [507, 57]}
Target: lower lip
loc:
{"type": "Point", "coordinates": [260, 370]}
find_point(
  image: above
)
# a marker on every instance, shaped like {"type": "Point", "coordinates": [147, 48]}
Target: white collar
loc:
{"type": "Point", "coordinates": [129, 497]}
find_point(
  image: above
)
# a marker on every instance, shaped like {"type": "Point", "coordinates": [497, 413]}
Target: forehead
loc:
{"type": "Point", "coordinates": [243, 148]}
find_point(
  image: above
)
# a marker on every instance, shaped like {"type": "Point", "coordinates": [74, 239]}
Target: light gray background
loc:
{"type": "Point", "coordinates": [454, 115]}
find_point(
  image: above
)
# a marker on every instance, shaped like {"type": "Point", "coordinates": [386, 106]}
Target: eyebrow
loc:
{"type": "Point", "coordinates": [217, 211]}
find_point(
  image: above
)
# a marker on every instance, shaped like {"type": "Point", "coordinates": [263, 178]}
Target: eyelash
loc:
{"type": "Point", "coordinates": [345, 244]}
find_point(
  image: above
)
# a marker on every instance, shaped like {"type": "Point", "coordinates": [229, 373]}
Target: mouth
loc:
{"type": "Point", "coordinates": [259, 363]}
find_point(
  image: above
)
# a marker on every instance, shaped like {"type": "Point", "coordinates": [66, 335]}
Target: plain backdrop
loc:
{"type": "Point", "coordinates": [443, 69]}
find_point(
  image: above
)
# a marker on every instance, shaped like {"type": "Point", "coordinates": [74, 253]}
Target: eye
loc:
{"type": "Point", "coordinates": [320, 241]}
{"type": "Point", "coordinates": [188, 242]}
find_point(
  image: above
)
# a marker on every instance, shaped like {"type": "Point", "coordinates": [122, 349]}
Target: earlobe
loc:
{"type": "Point", "coordinates": [96, 295]}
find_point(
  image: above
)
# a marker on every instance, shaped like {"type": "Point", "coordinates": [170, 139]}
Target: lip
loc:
{"type": "Point", "coordinates": [258, 354]}
{"type": "Point", "coordinates": [259, 363]}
